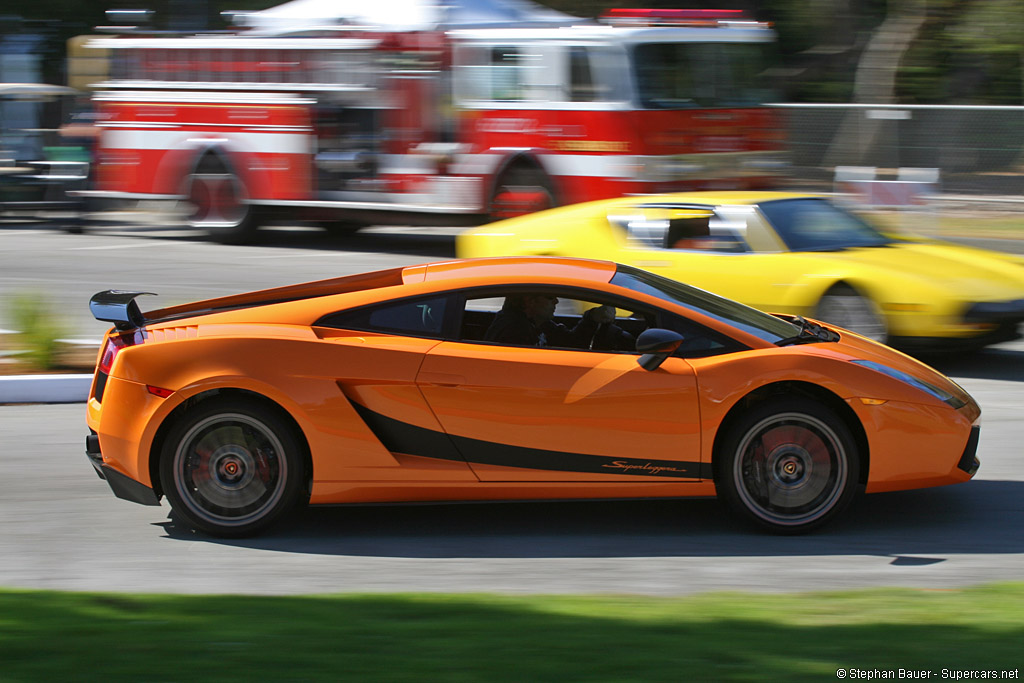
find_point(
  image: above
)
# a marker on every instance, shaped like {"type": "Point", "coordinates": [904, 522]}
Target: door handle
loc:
{"type": "Point", "coordinates": [441, 378]}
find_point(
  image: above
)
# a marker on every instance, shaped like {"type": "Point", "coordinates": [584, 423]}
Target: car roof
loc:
{"type": "Point", "coordinates": [514, 268]}
{"type": "Point", "coordinates": [473, 272]}
{"type": "Point", "coordinates": [716, 197]}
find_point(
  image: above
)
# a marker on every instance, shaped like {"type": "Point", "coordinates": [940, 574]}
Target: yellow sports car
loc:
{"type": "Point", "coordinates": [786, 253]}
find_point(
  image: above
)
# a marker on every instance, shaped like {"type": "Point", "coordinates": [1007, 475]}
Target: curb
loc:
{"type": "Point", "coordinates": [45, 388]}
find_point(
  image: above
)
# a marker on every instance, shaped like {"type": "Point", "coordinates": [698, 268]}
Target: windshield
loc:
{"type": "Point", "coordinates": [683, 75]}
{"type": "Point", "coordinates": [818, 225]}
{"type": "Point", "coordinates": [750, 320]}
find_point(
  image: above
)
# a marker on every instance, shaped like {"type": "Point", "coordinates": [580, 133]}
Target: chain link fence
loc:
{"type": "Point", "coordinates": [978, 150]}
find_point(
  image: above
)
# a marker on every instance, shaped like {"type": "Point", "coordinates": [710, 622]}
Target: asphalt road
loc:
{"type": "Point", "coordinates": [60, 527]}
{"type": "Point", "coordinates": [179, 265]}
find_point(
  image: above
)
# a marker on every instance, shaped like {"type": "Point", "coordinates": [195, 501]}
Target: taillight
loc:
{"type": "Point", "coordinates": [114, 345]}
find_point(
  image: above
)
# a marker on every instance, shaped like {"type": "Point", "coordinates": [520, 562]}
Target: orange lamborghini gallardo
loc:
{"type": "Point", "coordinates": [508, 379]}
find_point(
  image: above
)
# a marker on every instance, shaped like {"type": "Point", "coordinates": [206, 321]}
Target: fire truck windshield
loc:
{"type": "Point", "coordinates": [701, 75]}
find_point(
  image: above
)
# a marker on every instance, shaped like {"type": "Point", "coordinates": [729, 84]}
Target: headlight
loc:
{"type": "Point", "coordinates": [927, 388]}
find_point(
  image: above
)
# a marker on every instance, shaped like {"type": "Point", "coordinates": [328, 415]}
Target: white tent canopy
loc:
{"type": "Point", "coordinates": [401, 15]}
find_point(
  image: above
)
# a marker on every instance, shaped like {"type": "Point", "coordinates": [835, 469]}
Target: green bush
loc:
{"type": "Point", "coordinates": [38, 329]}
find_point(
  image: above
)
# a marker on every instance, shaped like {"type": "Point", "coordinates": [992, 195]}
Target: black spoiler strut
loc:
{"type": "Point", "coordinates": [119, 307]}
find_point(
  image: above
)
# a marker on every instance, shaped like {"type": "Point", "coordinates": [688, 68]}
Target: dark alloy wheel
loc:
{"type": "Point", "coordinates": [232, 467]}
{"type": "Point", "coordinates": [789, 465]}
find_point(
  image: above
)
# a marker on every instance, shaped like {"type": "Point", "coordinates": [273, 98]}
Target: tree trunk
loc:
{"type": "Point", "coordinates": [875, 83]}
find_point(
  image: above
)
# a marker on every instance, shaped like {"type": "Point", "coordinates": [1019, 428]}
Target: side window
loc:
{"type": "Point", "coordinates": [412, 317]}
{"type": "Point", "coordinates": [485, 72]}
{"type": "Point", "coordinates": [705, 235]}
{"type": "Point", "coordinates": [669, 75]}
{"type": "Point", "coordinates": [551, 319]}
{"type": "Point", "coordinates": [698, 341]}
{"type": "Point", "coordinates": [506, 74]}
{"type": "Point", "coordinates": [581, 80]}
{"type": "Point", "coordinates": [689, 228]}
{"type": "Point", "coordinates": [574, 319]}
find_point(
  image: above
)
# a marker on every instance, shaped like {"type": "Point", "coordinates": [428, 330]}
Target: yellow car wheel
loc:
{"type": "Point", "coordinates": [844, 306]}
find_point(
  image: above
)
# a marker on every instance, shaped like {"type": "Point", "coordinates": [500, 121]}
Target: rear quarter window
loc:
{"type": "Point", "coordinates": [413, 317]}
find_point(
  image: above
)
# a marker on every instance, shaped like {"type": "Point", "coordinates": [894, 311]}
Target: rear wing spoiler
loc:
{"type": "Point", "coordinates": [119, 307]}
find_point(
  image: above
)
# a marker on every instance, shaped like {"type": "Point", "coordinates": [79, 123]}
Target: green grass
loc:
{"type": "Point", "coordinates": [370, 637]}
{"type": "Point", "coordinates": [942, 224]}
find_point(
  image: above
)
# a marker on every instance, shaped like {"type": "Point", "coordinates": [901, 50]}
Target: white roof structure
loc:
{"type": "Point", "coordinates": [400, 15]}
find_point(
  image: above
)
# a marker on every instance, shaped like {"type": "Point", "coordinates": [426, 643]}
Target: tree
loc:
{"type": "Point", "coordinates": [875, 81]}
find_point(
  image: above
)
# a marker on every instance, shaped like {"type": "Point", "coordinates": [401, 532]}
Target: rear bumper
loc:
{"type": "Point", "coordinates": [122, 485]}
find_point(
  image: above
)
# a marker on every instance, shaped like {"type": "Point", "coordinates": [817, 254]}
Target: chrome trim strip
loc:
{"type": "Point", "coordinates": [365, 206]}
{"type": "Point", "coordinates": [235, 43]}
{"type": "Point", "coordinates": [260, 127]}
{"type": "Point", "coordinates": [238, 85]}
{"type": "Point", "coordinates": [110, 194]}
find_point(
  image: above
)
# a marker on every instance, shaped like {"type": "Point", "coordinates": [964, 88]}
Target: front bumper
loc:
{"type": "Point", "coordinates": [1002, 332]}
{"type": "Point", "coordinates": [123, 486]}
{"type": "Point", "coordinates": [969, 462]}
{"type": "Point", "coordinates": [978, 325]}
{"type": "Point", "coordinates": [996, 312]}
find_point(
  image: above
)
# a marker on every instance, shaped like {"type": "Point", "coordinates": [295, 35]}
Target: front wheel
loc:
{"type": "Point", "coordinates": [788, 466]}
{"type": "Point", "coordinates": [232, 467]}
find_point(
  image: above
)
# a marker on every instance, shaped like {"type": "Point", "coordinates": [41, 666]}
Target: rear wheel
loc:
{"type": "Point", "coordinates": [844, 306]}
{"type": "Point", "coordinates": [232, 467]}
{"type": "Point", "coordinates": [219, 203]}
{"type": "Point", "coordinates": [521, 190]}
{"type": "Point", "coordinates": [788, 466]}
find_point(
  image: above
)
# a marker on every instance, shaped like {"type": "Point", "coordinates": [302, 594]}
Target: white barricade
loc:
{"type": "Point", "coordinates": [912, 187]}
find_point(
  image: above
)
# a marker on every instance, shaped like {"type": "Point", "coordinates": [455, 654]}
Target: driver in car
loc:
{"type": "Point", "coordinates": [528, 320]}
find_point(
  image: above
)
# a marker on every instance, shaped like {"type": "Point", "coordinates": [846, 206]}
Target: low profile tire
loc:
{"type": "Point", "coordinates": [219, 203]}
{"type": "Point", "coordinates": [788, 466]}
{"type": "Point", "coordinates": [521, 190]}
{"type": "Point", "coordinates": [232, 467]}
{"type": "Point", "coordinates": [844, 306]}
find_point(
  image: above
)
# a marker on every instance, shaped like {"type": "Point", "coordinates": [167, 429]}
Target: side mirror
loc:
{"type": "Point", "coordinates": [656, 345]}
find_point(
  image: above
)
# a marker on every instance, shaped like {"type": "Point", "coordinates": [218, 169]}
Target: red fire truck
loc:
{"type": "Point", "coordinates": [353, 125]}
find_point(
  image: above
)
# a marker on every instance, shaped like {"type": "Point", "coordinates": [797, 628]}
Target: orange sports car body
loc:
{"type": "Point", "coordinates": [394, 386]}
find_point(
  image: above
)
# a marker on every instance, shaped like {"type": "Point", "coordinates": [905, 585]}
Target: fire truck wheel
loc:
{"type": "Point", "coordinates": [219, 203]}
{"type": "Point", "coordinates": [521, 190]}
